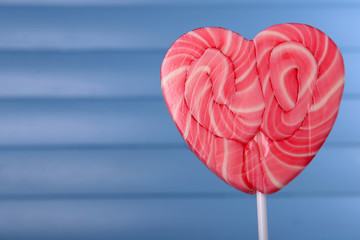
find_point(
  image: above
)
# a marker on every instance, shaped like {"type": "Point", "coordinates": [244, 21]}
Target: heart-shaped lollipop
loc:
{"type": "Point", "coordinates": [254, 112]}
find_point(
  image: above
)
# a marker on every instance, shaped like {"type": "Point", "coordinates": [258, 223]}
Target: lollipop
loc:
{"type": "Point", "coordinates": [254, 112]}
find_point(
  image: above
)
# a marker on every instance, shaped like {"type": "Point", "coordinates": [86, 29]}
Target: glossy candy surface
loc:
{"type": "Point", "coordinates": [254, 112]}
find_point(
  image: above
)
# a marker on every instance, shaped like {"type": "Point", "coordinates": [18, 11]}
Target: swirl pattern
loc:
{"type": "Point", "coordinates": [254, 112]}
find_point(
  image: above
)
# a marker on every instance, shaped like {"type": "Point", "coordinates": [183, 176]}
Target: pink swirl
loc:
{"type": "Point", "coordinates": [254, 111]}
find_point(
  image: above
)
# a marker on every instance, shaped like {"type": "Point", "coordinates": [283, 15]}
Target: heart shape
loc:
{"type": "Point", "coordinates": [255, 112]}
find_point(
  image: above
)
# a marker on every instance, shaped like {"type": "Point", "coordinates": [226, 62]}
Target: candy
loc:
{"type": "Point", "coordinates": [254, 112]}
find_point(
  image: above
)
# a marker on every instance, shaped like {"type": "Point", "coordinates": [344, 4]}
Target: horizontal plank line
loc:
{"type": "Point", "coordinates": [120, 196]}
{"type": "Point", "coordinates": [317, 194]}
{"type": "Point", "coordinates": [194, 5]}
{"type": "Point", "coordinates": [351, 96]}
{"type": "Point", "coordinates": [344, 49]}
{"type": "Point", "coordinates": [138, 98]}
{"type": "Point", "coordinates": [151, 146]}
{"type": "Point", "coordinates": [171, 196]}
{"type": "Point", "coordinates": [146, 146]}
{"type": "Point", "coordinates": [341, 144]}
{"type": "Point", "coordinates": [84, 51]}
{"type": "Point", "coordinates": [142, 98]}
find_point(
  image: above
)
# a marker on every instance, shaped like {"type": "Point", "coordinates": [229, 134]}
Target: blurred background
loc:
{"type": "Point", "coordinates": [89, 151]}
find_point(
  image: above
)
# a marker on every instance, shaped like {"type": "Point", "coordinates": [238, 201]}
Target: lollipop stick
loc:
{"type": "Point", "coordinates": [262, 217]}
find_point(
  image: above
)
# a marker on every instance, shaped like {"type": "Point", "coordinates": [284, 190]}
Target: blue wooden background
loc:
{"type": "Point", "coordinates": [89, 151]}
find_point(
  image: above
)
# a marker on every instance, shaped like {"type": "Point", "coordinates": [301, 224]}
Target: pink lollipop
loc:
{"type": "Point", "coordinates": [254, 112]}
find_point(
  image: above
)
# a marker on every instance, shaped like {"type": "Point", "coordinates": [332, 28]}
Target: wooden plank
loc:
{"type": "Point", "coordinates": [277, 3]}
{"type": "Point", "coordinates": [80, 74]}
{"type": "Point", "coordinates": [38, 122]}
{"type": "Point", "coordinates": [115, 121]}
{"type": "Point", "coordinates": [160, 173]}
{"type": "Point", "coordinates": [352, 87]}
{"type": "Point", "coordinates": [158, 27]}
{"type": "Point", "coordinates": [101, 74]}
{"type": "Point", "coordinates": [305, 218]}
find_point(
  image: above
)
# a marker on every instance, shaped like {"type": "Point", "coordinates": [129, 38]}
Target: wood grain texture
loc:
{"type": "Point", "coordinates": [57, 74]}
{"type": "Point", "coordinates": [102, 74]}
{"type": "Point", "coordinates": [214, 219]}
{"type": "Point", "coordinates": [160, 173]}
{"type": "Point", "coordinates": [188, 3]}
{"type": "Point", "coordinates": [85, 28]}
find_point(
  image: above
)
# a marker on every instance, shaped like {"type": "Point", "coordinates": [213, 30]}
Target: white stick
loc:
{"type": "Point", "coordinates": [262, 217]}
